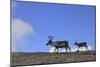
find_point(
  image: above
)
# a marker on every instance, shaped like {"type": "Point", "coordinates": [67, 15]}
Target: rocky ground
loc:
{"type": "Point", "coordinates": [40, 58]}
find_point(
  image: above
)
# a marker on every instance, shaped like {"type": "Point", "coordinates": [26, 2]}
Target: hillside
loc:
{"type": "Point", "coordinates": [20, 59]}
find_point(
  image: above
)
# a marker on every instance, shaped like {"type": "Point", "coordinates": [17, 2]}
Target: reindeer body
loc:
{"type": "Point", "coordinates": [58, 44]}
{"type": "Point", "coordinates": [80, 45]}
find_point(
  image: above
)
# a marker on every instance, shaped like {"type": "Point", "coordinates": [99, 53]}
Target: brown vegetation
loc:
{"type": "Point", "coordinates": [20, 59]}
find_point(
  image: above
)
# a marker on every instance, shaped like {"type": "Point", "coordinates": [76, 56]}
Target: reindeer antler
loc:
{"type": "Point", "coordinates": [50, 37]}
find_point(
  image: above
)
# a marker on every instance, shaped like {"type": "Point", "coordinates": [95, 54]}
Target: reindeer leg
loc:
{"type": "Point", "coordinates": [69, 49]}
{"type": "Point", "coordinates": [54, 50]}
{"type": "Point", "coordinates": [57, 50]}
{"type": "Point", "coordinates": [81, 48]}
{"type": "Point", "coordinates": [78, 49]}
{"type": "Point", "coordinates": [87, 48]}
{"type": "Point", "coordinates": [66, 49]}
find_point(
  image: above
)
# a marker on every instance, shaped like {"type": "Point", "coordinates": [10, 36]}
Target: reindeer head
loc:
{"type": "Point", "coordinates": [50, 40]}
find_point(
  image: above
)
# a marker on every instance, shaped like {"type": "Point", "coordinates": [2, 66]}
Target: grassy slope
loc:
{"type": "Point", "coordinates": [51, 58]}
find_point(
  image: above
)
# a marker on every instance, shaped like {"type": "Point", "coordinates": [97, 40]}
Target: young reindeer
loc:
{"type": "Point", "coordinates": [80, 45]}
{"type": "Point", "coordinates": [58, 44]}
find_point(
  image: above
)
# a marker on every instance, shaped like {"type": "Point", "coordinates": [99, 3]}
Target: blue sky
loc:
{"type": "Point", "coordinates": [63, 21]}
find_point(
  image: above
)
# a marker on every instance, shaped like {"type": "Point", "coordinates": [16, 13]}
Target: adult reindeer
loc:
{"type": "Point", "coordinates": [58, 44]}
{"type": "Point", "coordinates": [80, 45]}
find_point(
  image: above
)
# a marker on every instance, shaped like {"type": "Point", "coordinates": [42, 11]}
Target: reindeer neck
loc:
{"type": "Point", "coordinates": [52, 43]}
{"type": "Point", "coordinates": [78, 44]}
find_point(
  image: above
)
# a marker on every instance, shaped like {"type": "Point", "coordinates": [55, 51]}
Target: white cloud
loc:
{"type": "Point", "coordinates": [20, 29]}
{"type": "Point", "coordinates": [83, 48]}
{"type": "Point", "coordinates": [60, 50]}
{"type": "Point", "coordinates": [51, 49]}
{"type": "Point", "coordinates": [90, 47]}
{"type": "Point", "coordinates": [73, 49]}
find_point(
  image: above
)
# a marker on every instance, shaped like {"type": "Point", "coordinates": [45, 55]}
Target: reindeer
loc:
{"type": "Point", "coordinates": [80, 45]}
{"type": "Point", "coordinates": [58, 44]}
